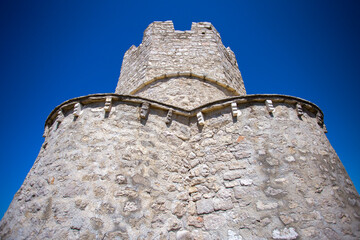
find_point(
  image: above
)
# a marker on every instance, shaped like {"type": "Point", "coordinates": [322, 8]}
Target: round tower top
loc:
{"type": "Point", "coordinates": [168, 59]}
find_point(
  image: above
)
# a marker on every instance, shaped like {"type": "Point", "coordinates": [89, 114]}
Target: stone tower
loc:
{"type": "Point", "coordinates": [179, 151]}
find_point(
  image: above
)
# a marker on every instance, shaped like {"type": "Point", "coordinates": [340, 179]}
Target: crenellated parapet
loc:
{"type": "Point", "coordinates": [165, 51]}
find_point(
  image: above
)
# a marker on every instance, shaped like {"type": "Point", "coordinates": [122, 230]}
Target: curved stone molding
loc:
{"type": "Point", "coordinates": [184, 74]}
{"type": "Point", "coordinates": [240, 101]}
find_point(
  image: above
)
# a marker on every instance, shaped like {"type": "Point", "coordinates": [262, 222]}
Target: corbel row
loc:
{"type": "Point", "coordinates": [270, 109]}
{"type": "Point", "coordinates": [145, 108]}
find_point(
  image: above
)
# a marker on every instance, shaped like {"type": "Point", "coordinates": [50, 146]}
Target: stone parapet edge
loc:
{"type": "Point", "coordinates": [206, 108]}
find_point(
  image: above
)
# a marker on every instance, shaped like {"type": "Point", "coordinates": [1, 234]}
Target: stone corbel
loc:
{"type": "Point", "coordinates": [299, 109]}
{"type": "Point", "coordinates": [77, 109]}
{"type": "Point", "coordinates": [200, 118]}
{"type": "Point", "coordinates": [269, 106]}
{"type": "Point", "coordinates": [144, 111]}
{"type": "Point", "coordinates": [169, 116]}
{"type": "Point", "coordinates": [46, 131]}
{"type": "Point", "coordinates": [235, 111]}
{"type": "Point", "coordinates": [108, 104]}
{"type": "Point", "coordinates": [319, 119]}
{"type": "Point", "coordinates": [60, 116]}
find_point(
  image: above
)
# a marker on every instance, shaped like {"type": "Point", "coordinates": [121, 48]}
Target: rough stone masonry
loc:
{"type": "Point", "coordinates": [181, 152]}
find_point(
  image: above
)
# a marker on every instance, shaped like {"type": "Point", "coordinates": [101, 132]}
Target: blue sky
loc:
{"type": "Point", "coordinates": [52, 51]}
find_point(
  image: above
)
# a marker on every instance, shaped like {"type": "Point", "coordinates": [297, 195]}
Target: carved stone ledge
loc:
{"type": "Point", "coordinates": [206, 108]}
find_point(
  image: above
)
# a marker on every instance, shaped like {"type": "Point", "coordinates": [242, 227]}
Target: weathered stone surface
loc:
{"type": "Point", "coordinates": [286, 219]}
{"type": "Point", "coordinates": [260, 205]}
{"type": "Point", "coordinates": [273, 191]}
{"type": "Point", "coordinates": [120, 179]}
{"type": "Point", "coordinates": [174, 224]}
{"type": "Point", "coordinates": [184, 235]}
{"type": "Point", "coordinates": [286, 233]}
{"type": "Point", "coordinates": [196, 221]}
{"type": "Point", "coordinates": [234, 174]}
{"type": "Point", "coordinates": [222, 204]}
{"type": "Point", "coordinates": [96, 223]}
{"type": "Point", "coordinates": [204, 206]}
{"type": "Point", "coordinates": [246, 182]}
{"type": "Point", "coordinates": [233, 236]}
{"type": "Point", "coordinates": [213, 222]}
{"type": "Point", "coordinates": [106, 208]}
{"type": "Point", "coordinates": [179, 209]}
{"type": "Point", "coordinates": [130, 207]}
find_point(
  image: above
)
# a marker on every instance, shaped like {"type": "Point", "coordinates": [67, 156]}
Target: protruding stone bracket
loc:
{"type": "Point", "coordinates": [46, 131]}
{"type": "Point", "coordinates": [60, 116]}
{"type": "Point", "coordinates": [169, 116]}
{"type": "Point", "coordinates": [319, 119]}
{"type": "Point", "coordinates": [144, 111]}
{"type": "Point", "coordinates": [200, 118]}
{"type": "Point", "coordinates": [269, 106]}
{"type": "Point", "coordinates": [219, 104]}
{"type": "Point", "coordinates": [108, 104]}
{"type": "Point", "coordinates": [77, 109]}
{"type": "Point", "coordinates": [299, 109]}
{"type": "Point", "coordinates": [324, 128]}
{"type": "Point", "coordinates": [234, 109]}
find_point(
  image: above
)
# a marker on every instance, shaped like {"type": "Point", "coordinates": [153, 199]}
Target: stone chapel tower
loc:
{"type": "Point", "coordinates": [179, 151]}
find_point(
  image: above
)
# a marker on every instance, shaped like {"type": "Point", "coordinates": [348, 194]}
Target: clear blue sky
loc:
{"type": "Point", "coordinates": [52, 51]}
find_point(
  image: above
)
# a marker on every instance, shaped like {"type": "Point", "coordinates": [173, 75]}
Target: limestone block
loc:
{"type": "Point", "coordinates": [204, 206]}
{"type": "Point", "coordinates": [231, 184]}
{"type": "Point", "coordinates": [214, 222]}
{"type": "Point", "coordinates": [120, 179]}
{"type": "Point", "coordinates": [179, 209]}
{"type": "Point", "coordinates": [246, 182]}
{"type": "Point", "coordinates": [286, 233]}
{"type": "Point", "coordinates": [130, 207]}
{"type": "Point", "coordinates": [184, 235]}
{"type": "Point", "coordinates": [290, 159]}
{"type": "Point", "coordinates": [222, 204]}
{"type": "Point", "coordinates": [233, 174]}
{"type": "Point", "coordinates": [96, 223]}
{"type": "Point", "coordinates": [286, 219]}
{"type": "Point", "coordinates": [233, 236]}
{"type": "Point", "coordinates": [273, 191]}
{"type": "Point", "coordinates": [196, 221]}
{"type": "Point", "coordinates": [260, 205]}
{"type": "Point", "coordinates": [174, 224]}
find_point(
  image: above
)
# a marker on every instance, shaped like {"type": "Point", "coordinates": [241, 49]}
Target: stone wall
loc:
{"type": "Point", "coordinates": [164, 52]}
{"type": "Point", "coordinates": [184, 92]}
{"type": "Point", "coordinates": [108, 168]}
